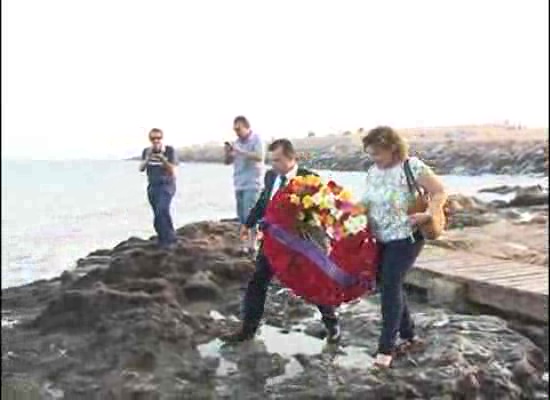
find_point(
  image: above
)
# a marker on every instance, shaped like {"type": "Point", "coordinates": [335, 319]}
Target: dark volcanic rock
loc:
{"type": "Point", "coordinates": [447, 157]}
{"type": "Point", "coordinates": [201, 286]}
{"type": "Point", "coordinates": [468, 211]}
{"type": "Point", "coordinates": [529, 196]}
{"type": "Point", "coordinates": [139, 323]}
{"type": "Point", "coordinates": [503, 189]}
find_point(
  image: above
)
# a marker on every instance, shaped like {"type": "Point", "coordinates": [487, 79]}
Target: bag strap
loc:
{"type": "Point", "coordinates": [411, 182]}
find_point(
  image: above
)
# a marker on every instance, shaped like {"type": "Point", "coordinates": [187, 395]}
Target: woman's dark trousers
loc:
{"type": "Point", "coordinates": [398, 257]}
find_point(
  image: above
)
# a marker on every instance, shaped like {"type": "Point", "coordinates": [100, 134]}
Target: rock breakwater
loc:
{"type": "Point", "coordinates": [135, 322]}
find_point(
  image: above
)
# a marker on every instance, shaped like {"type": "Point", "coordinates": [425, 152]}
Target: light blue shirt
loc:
{"type": "Point", "coordinates": [247, 173]}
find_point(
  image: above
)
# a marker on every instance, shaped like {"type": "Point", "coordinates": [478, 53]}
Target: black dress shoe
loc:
{"type": "Point", "coordinates": [332, 327]}
{"type": "Point", "coordinates": [334, 333]}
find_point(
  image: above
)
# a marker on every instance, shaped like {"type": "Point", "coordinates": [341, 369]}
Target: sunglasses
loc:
{"type": "Point", "coordinates": [155, 138]}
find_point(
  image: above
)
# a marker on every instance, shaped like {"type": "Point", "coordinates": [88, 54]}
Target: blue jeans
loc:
{"type": "Point", "coordinates": [256, 291]}
{"type": "Point", "coordinates": [246, 199]}
{"type": "Point", "coordinates": [398, 257]}
{"type": "Point", "coordinates": [160, 196]}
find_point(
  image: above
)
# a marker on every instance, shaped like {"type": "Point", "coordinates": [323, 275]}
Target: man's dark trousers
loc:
{"type": "Point", "coordinates": [254, 299]}
{"type": "Point", "coordinates": [160, 197]}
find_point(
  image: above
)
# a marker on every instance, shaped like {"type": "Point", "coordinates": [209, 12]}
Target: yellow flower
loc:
{"type": "Point", "coordinates": [299, 180]}
{"type": "Point", "coordinates": [325, 203]}
{"type": "Point", "coordinates": [307, 202]}
{"type": "Point", "coordinates": [345, 195]}
{"type": "Point", "coordinates": [312, 180]}
{"type": "Point", "coordinates": [294, 199]}
{"type": "Point", "coordinates": [325, 190]}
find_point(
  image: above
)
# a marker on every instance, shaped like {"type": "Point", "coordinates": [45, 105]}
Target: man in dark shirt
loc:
{"type": "Point", "coordinates": [285, 167]}
{"type": "Point", "coordinates": [160, 163]}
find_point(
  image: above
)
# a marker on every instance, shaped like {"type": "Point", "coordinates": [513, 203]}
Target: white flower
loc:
{"type": "Point", "coordinates": [355, 224]}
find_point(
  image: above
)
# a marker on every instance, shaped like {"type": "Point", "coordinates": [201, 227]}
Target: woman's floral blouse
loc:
{"type": "Point", "coordinates": [387, 198]}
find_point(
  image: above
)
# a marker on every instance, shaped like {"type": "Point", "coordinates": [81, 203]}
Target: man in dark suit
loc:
{"type": "Point", "coordinates": [285, 167]}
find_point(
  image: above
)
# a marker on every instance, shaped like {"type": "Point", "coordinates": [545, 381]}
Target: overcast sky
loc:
{"type": "Point", "coordinates": [85, 79]}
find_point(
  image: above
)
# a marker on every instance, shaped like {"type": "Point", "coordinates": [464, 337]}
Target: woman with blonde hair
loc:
{"type": "Point", "coordinates": [388, 199]}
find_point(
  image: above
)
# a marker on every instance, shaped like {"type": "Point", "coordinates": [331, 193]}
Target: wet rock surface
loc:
{"type": "Point", "coordinates": [136, 322]}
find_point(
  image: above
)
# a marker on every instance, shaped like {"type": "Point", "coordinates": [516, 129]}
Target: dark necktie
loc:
{"type": "Point", "coordinates": [282, 183]}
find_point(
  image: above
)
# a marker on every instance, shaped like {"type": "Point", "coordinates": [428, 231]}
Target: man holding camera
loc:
{"type": "Point", "coordinates": [160, 163]}
{"type": "Point", "coordinates": [247, 154]}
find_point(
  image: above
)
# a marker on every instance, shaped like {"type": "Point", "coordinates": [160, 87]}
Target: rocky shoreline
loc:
{"type": "Point", "coordinates": [514, 158]}
{"type": "Point", "coordinates": [136, 322]}
{"type": "Point", "coordinates": [446, 156]}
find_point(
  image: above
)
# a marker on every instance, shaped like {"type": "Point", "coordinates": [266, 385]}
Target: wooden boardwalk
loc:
{"type": "Point", "coordinates": [504, 285]}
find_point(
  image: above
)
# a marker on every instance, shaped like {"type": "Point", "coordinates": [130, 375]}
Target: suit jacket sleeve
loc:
{"type": "Point", "coordinates": [258, 211]}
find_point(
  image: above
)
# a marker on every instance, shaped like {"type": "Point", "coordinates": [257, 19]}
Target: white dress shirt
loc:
{"type": "Point", "coordinates": [277, 184]}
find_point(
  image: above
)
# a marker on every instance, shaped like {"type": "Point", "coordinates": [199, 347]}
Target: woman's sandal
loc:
{"type": "Point", "coordinates": [410, 345]}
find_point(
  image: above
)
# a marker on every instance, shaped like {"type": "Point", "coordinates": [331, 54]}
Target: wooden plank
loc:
{"type": "Point", "coordinates": [469, 265]}
{"type": "Point", "coordinates": [455, 255]}
{"type": "Point", "coordinates": [476, 272]}
{"type": "Point", "coordinates": [536, 275]}
{"type": "Point", "coordinates": [497, 279]}
{"type": "Point", "coordinates": [510, 276]}
{"type": "Point", "coordinates": [442, 263]}
{"type": "Point", "coordinates": [472, 258]}
{"type": "Point", "coordinates": [498, 275]}
{"type": "Point", "coordinates": [451, 267]}
{"type": "Point", "coordinates": [522, 280]}
{"type": "Point", "coordinates": [505, 285]}
{"type": "Point", "coordinates": [490, 265]}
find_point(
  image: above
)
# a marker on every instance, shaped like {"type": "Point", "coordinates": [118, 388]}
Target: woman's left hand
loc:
{"type": "Point", "coordinates": [419, 218]}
